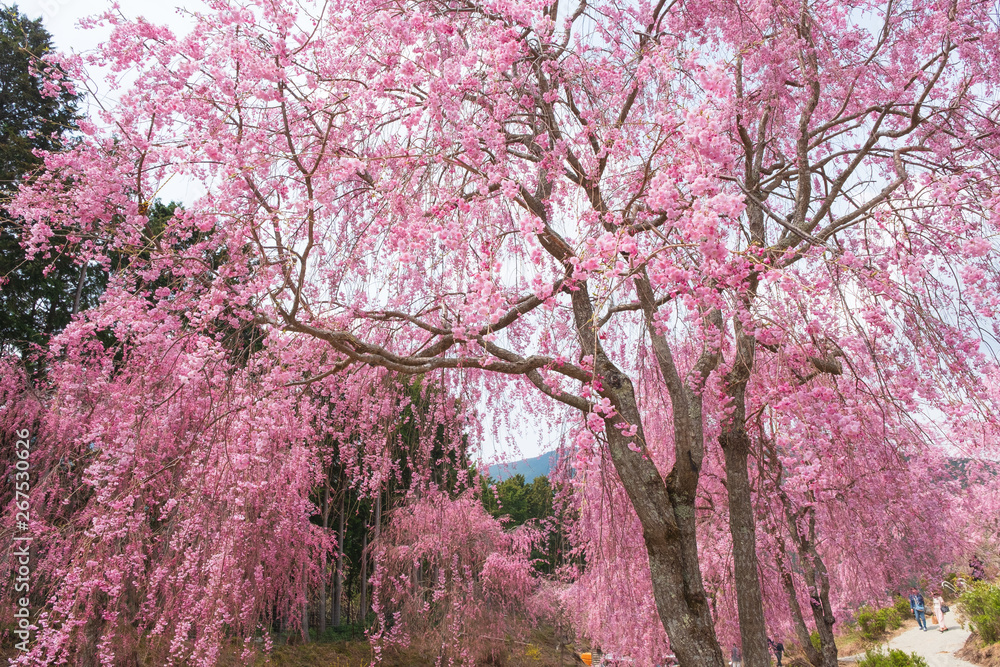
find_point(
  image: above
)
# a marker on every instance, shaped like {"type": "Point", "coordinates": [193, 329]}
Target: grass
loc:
{"type": "Point", "coordinates": [538, 651]}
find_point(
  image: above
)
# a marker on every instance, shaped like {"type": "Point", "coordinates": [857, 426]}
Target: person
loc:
{"type": "Point", "coordinates": [976, 568]}
{"type": "Point", "coordinates": [778, 649]}
{"type": "Point", "coordinates": [737, 657]}
{"type": "Point", "coordinates": [918, 609]}
{"type": "Point", "coordinates": [939, 607]}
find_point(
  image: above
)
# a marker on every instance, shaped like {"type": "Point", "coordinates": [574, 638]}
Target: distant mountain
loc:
{"type": "Point", "coordinates": [960, 469]}
{"type": "Point", "coordinates": [530, 468]}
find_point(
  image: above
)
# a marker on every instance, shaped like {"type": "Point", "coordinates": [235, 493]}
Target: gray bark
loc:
{"type": "Point", "coordinates": [78, 297]}
{"type": "Point", "coordinates": [814, 657]}
{"type": "Point", "coordinates": [817, 580]}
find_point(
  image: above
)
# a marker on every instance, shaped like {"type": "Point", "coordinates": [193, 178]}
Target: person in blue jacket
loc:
{"type": "Point", "coordinates": [918, 608]}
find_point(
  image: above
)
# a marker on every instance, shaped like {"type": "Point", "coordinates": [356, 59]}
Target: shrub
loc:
{"type": "Point", "coordinates": [980, 603]}
{"type": "Point", "coordinates": [815, 641]}
{"type": "Point", "coordinates": [902, 607]}
{"type": "Point", "coordinates": [871, 623]}
{"type": "Point", "coordinates": [894, 658]}
{"type": "Point", "coordinates": [890, 618]}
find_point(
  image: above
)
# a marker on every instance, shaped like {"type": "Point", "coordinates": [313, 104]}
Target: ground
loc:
{"type": "Point", "coordinates": [540, 651]}
{"type": "Point", "coordinates": [938, 648]}
{"type": "Point", "coordinates": [974, 651]}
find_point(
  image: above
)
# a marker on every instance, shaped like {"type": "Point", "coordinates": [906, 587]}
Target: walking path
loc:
{"type": "Point", "coordinates": [938, 648]}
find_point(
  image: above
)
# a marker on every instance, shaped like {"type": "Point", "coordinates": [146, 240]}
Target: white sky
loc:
{"type": "Point", "coordinates": [60, 18]}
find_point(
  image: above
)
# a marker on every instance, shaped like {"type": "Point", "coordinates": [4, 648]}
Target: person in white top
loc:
{"type": "Point", "coordinates": [939, 612]}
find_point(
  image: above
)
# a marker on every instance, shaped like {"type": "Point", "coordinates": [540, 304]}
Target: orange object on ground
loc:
{"type": "Point", "coordinates": [586, 657]}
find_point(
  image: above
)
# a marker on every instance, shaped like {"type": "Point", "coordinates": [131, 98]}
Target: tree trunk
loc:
{"type": "Point", "coordinates": [363, 598]}
{"type": "Point", "coordinates": [348, 616]}
{"type": "Point", "coordinates": [817, 579]}
{"type": "Point", "coordinates": [305, 617]}
{"type": "Point", "coordinates": [743, 528]}
{"type": "Point", "coordinates": [823, 611]}
{"type": "Point", "coordinates": [323, 574]}
{"type": "Point", "coordinates": [665, 507]}
{"type": "Point", "coordinates": [338, 577]}
{"type": "Point", "coordinates": [813, 569]}
{"type": "Point", "coordinates": [735, 444]}
{"type": "Point", "coordinates": [79, 288]}
{"type": "Point", "coordinates": [667, 513]}
{"type": "Point", "coordinates": [814, 657]}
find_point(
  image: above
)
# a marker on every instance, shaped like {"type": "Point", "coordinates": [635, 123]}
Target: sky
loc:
{"type": "Point", "coordinates": [60, 18]}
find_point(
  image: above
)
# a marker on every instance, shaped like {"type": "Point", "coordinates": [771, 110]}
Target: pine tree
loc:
{"type": "Point", "coordinates": [33, 305]}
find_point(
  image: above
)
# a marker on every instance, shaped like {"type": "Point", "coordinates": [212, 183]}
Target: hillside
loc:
{"type": "Point", "coordinates": [530, 468]}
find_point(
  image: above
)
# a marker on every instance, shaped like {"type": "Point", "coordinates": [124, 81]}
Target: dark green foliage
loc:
{"type": "Point", "coordinates": [980, 603]}
{"type": "Point", "coordinates": [28, 120]}
{"type": "Point", "coordinates": [894, 658]}
{"type": "Point", "coordinates": [522, 503]}
{"type": "Point", "coordinates": [446, 460]}
{"type": "Point", "coordinates": [518, 501]}
{"type": "Point", "coordinates": [419, 443]}
{"type": "Point", "coordinates": [33, 305]}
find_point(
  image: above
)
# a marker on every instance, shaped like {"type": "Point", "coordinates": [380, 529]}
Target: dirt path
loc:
{"type": "Point", "coordinates": [938, 648]}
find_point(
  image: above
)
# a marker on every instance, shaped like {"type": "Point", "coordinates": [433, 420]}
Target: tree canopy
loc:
{"type": "Point", "coordinates": [744, 249]}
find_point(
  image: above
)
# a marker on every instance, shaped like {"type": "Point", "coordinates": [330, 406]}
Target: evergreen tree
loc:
{"type": "Point", "coordinates": [33, 304]}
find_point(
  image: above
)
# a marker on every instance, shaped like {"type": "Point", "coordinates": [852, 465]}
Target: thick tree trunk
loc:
{"type": "Point", "coordinates": [735, 444]}
{"type": "Point", "coordinates": [665, 507]}
{"type": "Point", "coordinates": [735, 441]}
{"type": "Point", "coordinates": [667, 514]}
{"type": "Point", "coordinates": [743, 528]}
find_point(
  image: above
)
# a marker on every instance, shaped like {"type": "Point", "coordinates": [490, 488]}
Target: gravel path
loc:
{"type": "Point", "coordinates": [938, 648]}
